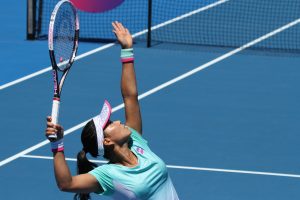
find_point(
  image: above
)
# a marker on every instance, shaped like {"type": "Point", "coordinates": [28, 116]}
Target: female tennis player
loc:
{"type": "Point", "coordinates": [133, 171]}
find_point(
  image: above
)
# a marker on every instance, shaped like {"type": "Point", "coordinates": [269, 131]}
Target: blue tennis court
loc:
{"type": "Point", "coordinates": [225, 121]}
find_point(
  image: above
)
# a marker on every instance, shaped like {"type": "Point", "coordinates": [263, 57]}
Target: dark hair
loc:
{"type": "Point", "coordinates": [89, 139]}
{"type": "Point", "coordinates": [89, 142]}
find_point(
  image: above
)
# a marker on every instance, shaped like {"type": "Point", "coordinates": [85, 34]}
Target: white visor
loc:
{"type": "Point", "coordinates": [100, 122]}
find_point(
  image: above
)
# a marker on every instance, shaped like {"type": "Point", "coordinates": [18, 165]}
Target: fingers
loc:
{"type": "Point", "coordinates": [52, 129]}
{"type": "Point", "coordinates": [49, 122]}
{"type": "Point", "coordinates": [115, 27]}
{"type": "Point", "coordinates": [49, 118]}
{"type": "Point", "coordinates": [121, 27]}
{"type": "Point", "coordinates": [122, 34]}
{"type": "Point", "coordinates": [118, 27]}
{"type": "Point", "coordinates": [51, 125]}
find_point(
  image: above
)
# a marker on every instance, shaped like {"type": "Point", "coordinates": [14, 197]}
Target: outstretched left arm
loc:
{"type": "Point", "coordinates": [128, 81]}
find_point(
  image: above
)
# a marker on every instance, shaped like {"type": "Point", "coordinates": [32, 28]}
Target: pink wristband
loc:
{"type": "Point", "coordinates": [126, 60]}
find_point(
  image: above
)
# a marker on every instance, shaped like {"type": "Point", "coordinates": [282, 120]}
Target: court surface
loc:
{"type": "Point", "coordinates": [225, 122]}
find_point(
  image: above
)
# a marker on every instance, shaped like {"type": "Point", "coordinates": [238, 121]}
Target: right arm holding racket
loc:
{"type": "Point", "coordinates": [86, 183]}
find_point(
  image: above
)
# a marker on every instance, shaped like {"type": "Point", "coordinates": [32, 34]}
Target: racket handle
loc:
{"type": "Point", "coordinates": [54, 115]}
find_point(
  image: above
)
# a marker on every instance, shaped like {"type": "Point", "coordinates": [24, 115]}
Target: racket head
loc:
{"type": "Point", "coordinates": [63, 35]}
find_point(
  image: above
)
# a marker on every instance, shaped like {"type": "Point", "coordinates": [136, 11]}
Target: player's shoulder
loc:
{"type": "Point", "coordinates": [136, 136]}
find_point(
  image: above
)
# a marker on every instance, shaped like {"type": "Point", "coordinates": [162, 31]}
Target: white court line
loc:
{"type": "Point", "coordinates": [160, 87]}
{"type": "Point", "coordinates": [188, 168]}
{"type": "Point", "coordinates": [112, 44]}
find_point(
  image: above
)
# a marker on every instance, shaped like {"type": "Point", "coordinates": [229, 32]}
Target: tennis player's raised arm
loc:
{"type": "Point", "coordinates": [128, 79]}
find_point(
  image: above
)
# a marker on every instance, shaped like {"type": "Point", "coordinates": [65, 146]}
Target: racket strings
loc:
{"type": "Point", "coordinates": [63, 36]}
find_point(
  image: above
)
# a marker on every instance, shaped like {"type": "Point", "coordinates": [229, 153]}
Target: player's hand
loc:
{"type": "Point", "coordinates": [54, 129]}
{"type": "Point", "coordinates": [123, 35]}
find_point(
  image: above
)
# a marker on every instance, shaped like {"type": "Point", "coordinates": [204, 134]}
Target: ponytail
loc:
{"type": "Point", "coordinates": [83, 166]}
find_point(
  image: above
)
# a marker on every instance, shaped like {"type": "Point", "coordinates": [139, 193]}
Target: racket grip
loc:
{"type": "Point", "coordinates": [54, 115]}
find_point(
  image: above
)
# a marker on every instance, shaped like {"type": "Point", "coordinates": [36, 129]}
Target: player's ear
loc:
{"type": "Point", "coordinates": [107, 141]}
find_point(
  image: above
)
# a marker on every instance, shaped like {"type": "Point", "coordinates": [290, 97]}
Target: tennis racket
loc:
{"type": "Point", "coordinates": [63, 43]}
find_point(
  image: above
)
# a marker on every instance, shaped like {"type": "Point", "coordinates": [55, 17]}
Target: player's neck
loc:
{"type": "Point", "coordinates": [124, 156]}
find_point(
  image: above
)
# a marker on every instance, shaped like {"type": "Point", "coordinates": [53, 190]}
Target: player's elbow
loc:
{"type": "Point", "coordinates": [130, 95]}
{"type": "Point", "coordinates": [64, 187]}
{"type": "Point", "coordinates": [129, 92]}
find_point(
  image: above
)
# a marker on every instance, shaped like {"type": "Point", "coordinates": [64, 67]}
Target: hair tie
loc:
{"type": "Point", "coordinates": [84, 150]}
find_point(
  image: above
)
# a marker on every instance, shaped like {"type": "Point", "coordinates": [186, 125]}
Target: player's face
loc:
{"type": "Point", "coordinates": [117, 132]}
